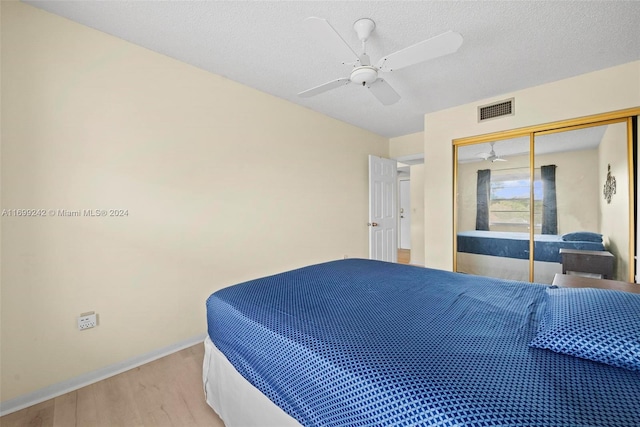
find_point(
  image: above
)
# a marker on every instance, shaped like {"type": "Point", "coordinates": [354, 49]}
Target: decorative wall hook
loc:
{"type": "Point", "coordinates": [609, 186]}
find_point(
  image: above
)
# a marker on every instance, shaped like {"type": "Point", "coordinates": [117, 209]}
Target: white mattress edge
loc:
{"type": "Point", "coordinates": [233, 398]}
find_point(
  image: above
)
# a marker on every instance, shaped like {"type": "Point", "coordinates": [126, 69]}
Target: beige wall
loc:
{"type": "Point", "coordinates": [406, 145]}
{"type": "Point", "coordinates": [222, 183]}
{"type": "Point", "coordinates": [593, 93]}
{"type": "Point", "coordinates": [577, 189]}
{"type": "Point", "coordinates": [611, 152]}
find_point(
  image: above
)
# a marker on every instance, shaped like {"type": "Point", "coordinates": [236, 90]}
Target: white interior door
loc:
{"type": "Point", "coordinates": [404, 242]}
{"type": "Point", "coordinates": [382, 209]}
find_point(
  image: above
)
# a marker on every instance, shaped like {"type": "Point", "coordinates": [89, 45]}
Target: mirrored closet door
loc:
{"type": "Point", "coordinates": [547, 200]}
{"type": "Point", "coordinates": [493, 208]}
{"type": "Point", "coordinates": [582, 218]}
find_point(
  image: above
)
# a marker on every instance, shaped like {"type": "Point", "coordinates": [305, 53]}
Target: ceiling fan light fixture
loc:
{"type": "Point", "coordinates": [364, 75]}
{"type": "Point", "coordinates": [367, 75]}
{"type": "Point", "coordinates": [491, 155]}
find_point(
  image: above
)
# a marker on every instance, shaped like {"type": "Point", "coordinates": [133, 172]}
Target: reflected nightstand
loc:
{"type": "Point", "coordinates": [593, 262]}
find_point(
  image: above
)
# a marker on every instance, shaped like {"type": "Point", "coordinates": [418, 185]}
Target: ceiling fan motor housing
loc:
{"type": "Point", "coordinates": [364, 27]}
{"type": "Point", "coordinates": [364, 75]}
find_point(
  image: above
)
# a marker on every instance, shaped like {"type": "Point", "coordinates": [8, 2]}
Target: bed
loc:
{"type": "Point", "coordinates": [367, 343]}
{"type": "Point", "coordinates": [506, 254]}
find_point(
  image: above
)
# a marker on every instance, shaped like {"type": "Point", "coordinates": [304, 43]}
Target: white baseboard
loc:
{"type": "Point", "coordinates": [72, 384]}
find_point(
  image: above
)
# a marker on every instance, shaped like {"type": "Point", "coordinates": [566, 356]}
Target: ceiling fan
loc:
{"type": "Point", "coordinates": [368, 75]}
{"type": "Point", "coordinates": [491, 155]}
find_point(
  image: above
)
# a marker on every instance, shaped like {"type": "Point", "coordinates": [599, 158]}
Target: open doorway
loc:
{"type": "Point", "coordinates": [405, 232]}
{"type": "Point", "coordinates": [409, 207]}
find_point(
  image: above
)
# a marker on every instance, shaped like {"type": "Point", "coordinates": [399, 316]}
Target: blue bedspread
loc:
{"type": "Point", "coordinates": [516, 245]}
{"type": "Point", "coordinates": [368, 343]}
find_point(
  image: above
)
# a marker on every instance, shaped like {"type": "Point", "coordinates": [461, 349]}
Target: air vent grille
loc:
{"type": "Point", "coordinates": [497, 109]}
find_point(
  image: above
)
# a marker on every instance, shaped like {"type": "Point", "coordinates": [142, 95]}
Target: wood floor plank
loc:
{"type": "Point", "coordinates": [165, 392]}
{"type": "Point", "coordinates": [404, 256]}
{"type": "Point", "coordinates": [40, 415]}
{"type": "Point", "coordinates": [194, 397]}
{"type": "Point", "coordinates": [156, 393]}
{"type": "Point", "coordinates": [86, 409]}
{"type": "Point", "coordinates": [64, 414]}
{"type": "Point", "coordinates": [115, 404]}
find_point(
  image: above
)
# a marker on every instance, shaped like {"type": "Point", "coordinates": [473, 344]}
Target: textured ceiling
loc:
{"type": "Point", "coordinates": [508, 45]}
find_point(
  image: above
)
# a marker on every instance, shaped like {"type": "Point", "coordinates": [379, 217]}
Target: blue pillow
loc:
{"type": "Point", "coordinates": [596, 324]}
{"type": "Point", "coordinates": [582, 236]}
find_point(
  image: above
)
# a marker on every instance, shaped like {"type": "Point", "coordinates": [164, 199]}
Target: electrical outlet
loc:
{"type": "Point", "coordinates": [87, 321]}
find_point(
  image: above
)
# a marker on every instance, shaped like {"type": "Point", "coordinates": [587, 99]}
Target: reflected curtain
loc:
{"type": "Point", "coordinates": [549, 204]}
{"type": "Point", "coordinates": [482, 199]}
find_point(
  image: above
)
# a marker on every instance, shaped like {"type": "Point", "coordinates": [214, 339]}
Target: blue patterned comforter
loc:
{"type": "Point", "coordinates": [368, 343]}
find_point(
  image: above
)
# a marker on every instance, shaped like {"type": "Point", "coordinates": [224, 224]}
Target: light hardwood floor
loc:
{"type": "Point", "coordinates": [165, 392]}
{"type": "Point", "coordinates": [404, 256]}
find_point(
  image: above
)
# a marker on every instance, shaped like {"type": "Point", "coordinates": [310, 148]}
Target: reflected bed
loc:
{"type": "Point", "coordinates": [506, 254]}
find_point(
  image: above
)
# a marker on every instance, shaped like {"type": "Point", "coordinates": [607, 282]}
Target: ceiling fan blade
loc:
{"type": "Point", "coordinates": [326, 35]}
{"type": "Point", "coordinates": [324, 87]}
{"type": "Point", "coordinates": [384, 92]}
{"type": "Point", "coordinates": [434, 47]}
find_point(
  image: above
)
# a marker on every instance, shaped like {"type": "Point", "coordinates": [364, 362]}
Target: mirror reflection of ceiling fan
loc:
{"type": "Point", "coordinates": [366, 74]}
{"type": "Point", "coordinates": [491, 155]}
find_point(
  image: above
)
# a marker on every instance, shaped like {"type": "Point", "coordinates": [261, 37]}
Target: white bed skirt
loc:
{"type": "Point", "coordinates": [507, 268]}
{"type": "Point", "coordinates": [235, 399]}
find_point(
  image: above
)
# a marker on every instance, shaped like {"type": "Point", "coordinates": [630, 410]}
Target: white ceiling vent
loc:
{"type": "Point", "coordinates": [496, 109]}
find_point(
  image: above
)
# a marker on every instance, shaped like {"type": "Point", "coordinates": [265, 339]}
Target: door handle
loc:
{"type": "Point", "coordinates": [372, 224]}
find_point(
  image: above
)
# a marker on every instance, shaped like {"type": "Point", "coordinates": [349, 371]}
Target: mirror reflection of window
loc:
{"type": "Point", "coordinates": [510, 200]}
{"type": "Point", "coordinates": [493, 209]}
